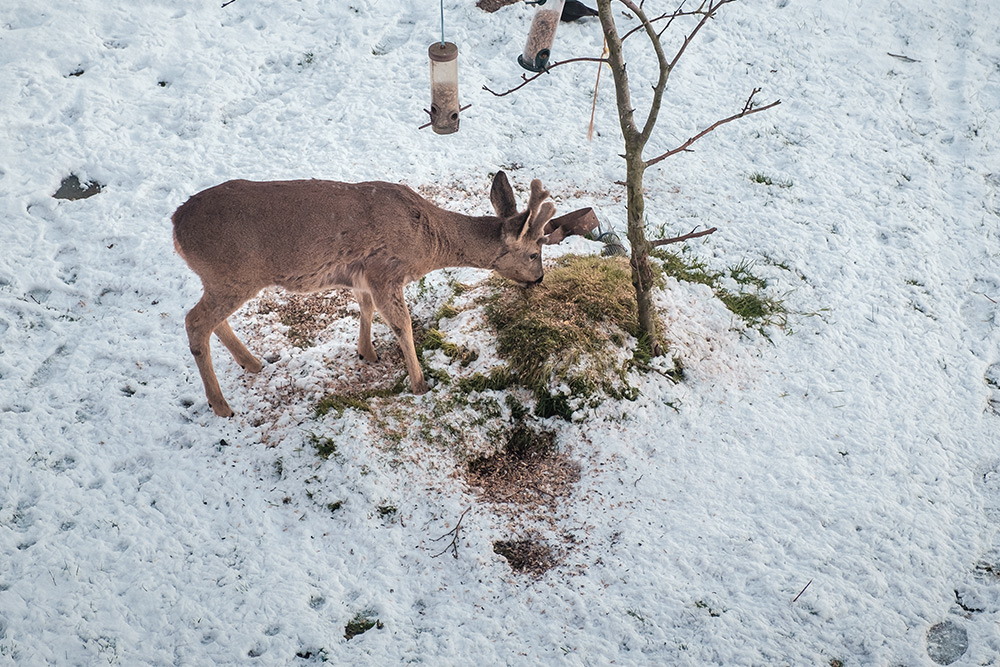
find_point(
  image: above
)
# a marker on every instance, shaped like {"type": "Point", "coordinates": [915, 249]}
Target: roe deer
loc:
{"type": "Point", "coordinates": [374, 238]}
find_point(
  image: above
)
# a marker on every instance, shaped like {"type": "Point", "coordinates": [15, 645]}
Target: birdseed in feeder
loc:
{"type": "Point", "coordinates": [444, 87]}
{"type": "Point", "coordinates": [543, 32]}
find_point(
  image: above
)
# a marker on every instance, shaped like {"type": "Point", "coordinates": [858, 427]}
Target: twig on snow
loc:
{"type": "Point", "coordinates": [453, 545]}
{"type": "Point", "coordinates": [796, 598]}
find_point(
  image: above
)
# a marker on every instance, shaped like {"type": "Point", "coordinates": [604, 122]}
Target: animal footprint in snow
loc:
{"type": "Point", "coordinates": [992, 378]}
{"type": "Point", "coordinates": [947, 642]}
{"type": "Point", "coordinates": [396, 37]}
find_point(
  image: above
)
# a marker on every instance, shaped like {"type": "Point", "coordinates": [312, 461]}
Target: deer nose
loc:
{"type": "Point", "coordinates": [532, 284]}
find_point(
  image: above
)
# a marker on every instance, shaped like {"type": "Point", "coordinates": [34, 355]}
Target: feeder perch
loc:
{"type": "Point", "coordinates": [543, 32]}
{"type": "Point", "coordinates": [444, 87]}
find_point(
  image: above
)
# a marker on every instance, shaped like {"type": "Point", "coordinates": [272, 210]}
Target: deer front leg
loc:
{"type": "Point", "coordinates": [200, 323]}
{"type": "Point", "coordinates": [365, 348]}
{"type": "Point", "coordinates": [392, 306]}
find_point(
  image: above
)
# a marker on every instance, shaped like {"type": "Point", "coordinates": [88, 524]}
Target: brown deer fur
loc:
{"type": "Point", "coordinates": [374, 238]}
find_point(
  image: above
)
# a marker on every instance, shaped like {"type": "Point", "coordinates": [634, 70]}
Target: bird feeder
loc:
{"type": "Point", "coordinates": [543, 32]}
{"type": "Point", "coordinates": [444, 87]}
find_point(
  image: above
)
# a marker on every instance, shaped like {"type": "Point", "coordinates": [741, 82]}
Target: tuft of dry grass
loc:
{"type": "Point", "coordinates": [583, 309]}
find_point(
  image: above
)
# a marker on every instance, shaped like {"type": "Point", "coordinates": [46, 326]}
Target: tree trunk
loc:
{"type": "Point", "coordinates": [642, 273]}
{"type": "Point", "coordinates": [635, 142]}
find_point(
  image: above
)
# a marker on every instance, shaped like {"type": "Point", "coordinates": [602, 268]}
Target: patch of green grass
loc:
{"type": "Point", "coordinates": [434, 340]}
{"type": "Point", "coordinates": [387, 511]}
{"type": "Point", "coordinates": [749, 302]}
{"type": "Point", "coordinates": [688, 269]}
{"type": "Point", "coordinates": [743, 274]}
{"type": "Point", "coordinates": [763, 179]}
{"type": "Point", "coordinates": [755, 309]}
{"type": "Point", "coordinates": [355, 400]}
{"type": "Point", "coordinates": [445, 312]}
{"type": "Point", "coordinates": [360, 624]}
{"type": "Point", "coordinates": [325, 447]}
{"type": "Point", "coordinates": [567, 332]}
{"type": "Point", "coordinates": [499, 379]}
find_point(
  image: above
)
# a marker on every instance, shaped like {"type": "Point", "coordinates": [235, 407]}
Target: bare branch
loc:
{"type": "Point", "coordinates": [748, 109]}
{"type": "Point", "coordinates": [677, 239]}
{"type": "Point", "coordinates": [664, 71]}
{"type": "Point", "coordinates": [669, 17]}
{"type": "Point", "coordinates": [453, 545]}
{"type": "Point", "coordinates": [618, 70]}
{"type": "Point", "coordinates": [227, 3]}
{"type": "Point", "coordinates": [529, 79]}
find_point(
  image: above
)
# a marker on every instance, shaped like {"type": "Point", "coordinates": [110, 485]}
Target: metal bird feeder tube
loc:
{"type": "Point", "coordinates": [538, 46]}
{"type": "Point", "coordinates": [444, 87]}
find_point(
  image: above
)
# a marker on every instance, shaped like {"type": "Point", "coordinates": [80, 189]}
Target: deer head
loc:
{"type": "Point", "coordinates": [525, 232]}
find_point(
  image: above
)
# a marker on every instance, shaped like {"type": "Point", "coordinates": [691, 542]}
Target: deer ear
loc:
{"type": "Point", "coordinates": [581, 221]}
{"type": "Point", "coordinates": [502, 196]}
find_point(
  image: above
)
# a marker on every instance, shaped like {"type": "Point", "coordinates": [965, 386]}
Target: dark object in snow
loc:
{"type": "Point", "coordinates": [71, 188]}
{"type": "Point", "coordinates": [574, 10]}
{"type": "Point", "coordinates": [360, 624]}
{"type": "Point", "coordinates": [613, 246]}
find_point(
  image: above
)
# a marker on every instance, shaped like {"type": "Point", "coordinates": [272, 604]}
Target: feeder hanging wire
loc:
{"type": "Point", "coordinates": [442, 23]}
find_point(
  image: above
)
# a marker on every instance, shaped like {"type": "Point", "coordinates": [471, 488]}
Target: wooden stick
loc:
{"type": "Point", "coordinates": [593, 108]}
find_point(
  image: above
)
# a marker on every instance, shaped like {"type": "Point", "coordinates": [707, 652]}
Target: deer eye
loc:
{"type": "Point", "coordinates": [533, 256]}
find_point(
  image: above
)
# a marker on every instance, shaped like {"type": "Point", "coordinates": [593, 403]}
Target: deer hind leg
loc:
{"type": "Point", "coordinates": [242, 355]}
{"type": "Point", "coordinates": [366, 350]}
{"type": "Point", "coordinates": [207, 316]}
{"type": "Point", "coordinates": [392, 306]}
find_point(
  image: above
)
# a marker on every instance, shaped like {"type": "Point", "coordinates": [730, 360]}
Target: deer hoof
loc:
{"type": "Point", "coordinates": [253, 367]}
{"type": "Point", "coordinates": [222, 410]}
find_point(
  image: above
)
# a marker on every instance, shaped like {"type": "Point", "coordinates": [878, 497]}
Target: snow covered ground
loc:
{"type": "Point", "coordinates": [827, 493]}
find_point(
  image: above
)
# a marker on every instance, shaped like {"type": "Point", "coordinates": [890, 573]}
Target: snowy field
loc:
{"type": "Point", "coordinates": [821, 495]}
